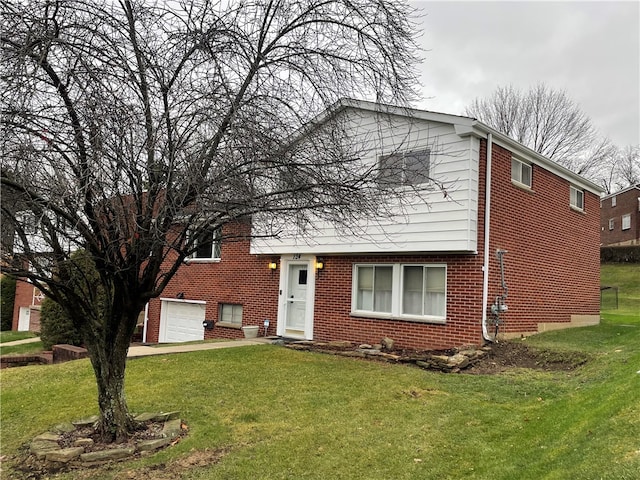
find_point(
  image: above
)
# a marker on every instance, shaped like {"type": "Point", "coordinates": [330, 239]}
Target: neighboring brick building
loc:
{"type": "Point", "coordinates": [620, 217]}
{"type": "Point", "coordinates": [427, 279]}
{"type": "Point", "coordinates": [26, 307]}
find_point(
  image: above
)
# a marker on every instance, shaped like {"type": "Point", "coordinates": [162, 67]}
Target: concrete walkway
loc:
{"type": "Point", "coordinates": [20, 342]}
{"type": "Point", "coordinates": [146, 350]}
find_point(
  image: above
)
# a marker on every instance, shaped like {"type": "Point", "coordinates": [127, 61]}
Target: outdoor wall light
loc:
{"type": "Point", "coordinates": [319, 263]}
{"type": "Point", "coordinates": [273, 264]}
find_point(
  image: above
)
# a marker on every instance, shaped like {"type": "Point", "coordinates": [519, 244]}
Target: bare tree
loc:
{"type": "Point", "coordinates": [131, 128]}
{"type": "Point", "coordinates": [545, 120]}
{"type": "Point", "coordinates": [628, 167]}
{"type": "Point", "coordinates": [620, 169]}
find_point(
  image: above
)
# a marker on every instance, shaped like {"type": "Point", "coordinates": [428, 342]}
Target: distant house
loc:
{"type": "Point", "coordinates": [620, 217]}
{"type": "Point", "coordinates": [515, 239]}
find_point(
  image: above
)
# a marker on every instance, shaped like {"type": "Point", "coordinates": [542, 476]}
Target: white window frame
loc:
{"type": "Point", "coordinates": [626, 221]}
{"type": "Point", "coordinates": [614, 201]}
{"type": "Point", "coordinates": [396, 293]}
{"type": "Point", "coordinates": [216, 248]}
{"type": "Point", "coordinates": [405, 175]}
{"type": "Point", "coordinates": [612, 223]}
{"type": "Point", "coordinates": [517, 169]}
{"type": "Point", "coordinates": [232, 318]}
{"type": "Point", "coordinates": [576, 198]}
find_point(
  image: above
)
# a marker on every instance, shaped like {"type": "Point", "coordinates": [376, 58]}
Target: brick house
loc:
{"type": "Point", "coordinates": [620, 217]}
{"type": "Point", "coordinates": [434, 277]}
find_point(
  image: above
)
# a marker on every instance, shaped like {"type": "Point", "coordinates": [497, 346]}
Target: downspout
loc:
{"type": "Point", "coordinates": [487, 227]}
{"type": "Point", "coordinates": [146, 318]}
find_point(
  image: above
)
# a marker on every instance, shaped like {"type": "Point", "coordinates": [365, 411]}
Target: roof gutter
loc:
{"type": "Point", "coordinates": [487, 231]}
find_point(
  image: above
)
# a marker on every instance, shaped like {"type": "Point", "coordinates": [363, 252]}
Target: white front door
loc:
{"type": "Point", "coordinates": [23, 319]}
{"type": "Point", "coordinates": [295, 315]}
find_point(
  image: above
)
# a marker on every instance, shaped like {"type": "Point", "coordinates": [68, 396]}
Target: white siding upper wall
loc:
{"type": "Point", "coordinates": [433, 223]}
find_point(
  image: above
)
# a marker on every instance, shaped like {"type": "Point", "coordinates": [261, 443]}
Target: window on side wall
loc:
{"type": "Point", "coordinates": [521, 172]}
{"type": "Point", "coordinates": [576, 198]}
{"type": "Point", "coordinates": [408, 168]}
{"type": "Point", "coordinates": [410, 291]}
{"type": "Point", "coordinates": [613, 201]}
{"type": "Point", "coordinates": [230, 314]}
{"type": "Point", "coordinates": [207, 244]}
{"type": "Point", "coordinates": [626, 222]}
{"type": "Point", "coordinates": [612, 224]}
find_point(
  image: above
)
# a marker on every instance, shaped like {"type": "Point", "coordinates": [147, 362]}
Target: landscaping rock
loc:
{"type": "Point", "coordinates": [172, 428]}
{"type": "Point", "coordinates": [165, 416]}
{"type": "Point", "coordinates": [47, 437]}
{"type": "Point", "coordinates": [40, 448]}
{"type": "Point", "coordinates": [83, 442]}
{"type": "Point", "coordinates": [149, 445]}
{"type": "Point", "coordinates": [106, 455]}
{"type": "Point", "coordinates": [145, 417]}
{"type": "Point", "coordinates": [64, 428]}
{"type": "Point", "coordinates": [64, 455]}
{"type": "Point", "coordinates": [339, 344]}
{"type": "Point", "coordinates": [387, 344]}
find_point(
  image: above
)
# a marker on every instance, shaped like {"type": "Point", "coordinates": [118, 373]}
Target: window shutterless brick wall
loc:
{"type": "Point", "coordinates": [627, 203]}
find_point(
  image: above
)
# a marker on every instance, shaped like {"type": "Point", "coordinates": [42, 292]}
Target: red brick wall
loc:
{"type": "Point", "coordinates": [239, 278]}
{"type": "Point", "coordinates": [626, 203]}
{"type": "Point", "coordinates": [552, 271]}
{"type": "Point", "coordinates": [332, 318]}
{"type": "Point", "coordinates": [552, 266]}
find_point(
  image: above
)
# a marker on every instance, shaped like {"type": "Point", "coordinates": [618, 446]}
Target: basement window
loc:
{"type": "Point", "coordinates": [230, 315]}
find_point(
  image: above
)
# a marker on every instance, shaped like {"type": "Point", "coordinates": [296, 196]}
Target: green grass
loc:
{"type": "Point", "coordinates": [282, 414]}
{"type": "Point", "coordinates": [33, 347]}
{"type": "Point", "coordinates": [627, 278]}
{"type": "Point", "coordinates": [11, 336]}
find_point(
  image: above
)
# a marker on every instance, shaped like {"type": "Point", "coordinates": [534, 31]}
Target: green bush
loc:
{"type": "Point", "coordinates": [624, 254]}
{"type": "Point", "coordinates": [7, 297]}
{"type": "Point", "coordinates": [55, 326]}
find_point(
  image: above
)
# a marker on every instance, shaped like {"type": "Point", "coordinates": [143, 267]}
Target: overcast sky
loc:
{"type": "Point", "coordinates": [589, 49]}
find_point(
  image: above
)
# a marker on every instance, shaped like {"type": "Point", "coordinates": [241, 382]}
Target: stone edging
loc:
{"type": "Point", "coordinates": [458, 360]}
{"type": "Point", "coordinates": [47, 447]}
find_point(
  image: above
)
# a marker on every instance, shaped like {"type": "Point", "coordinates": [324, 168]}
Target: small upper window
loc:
{"type": "Point", "coordinates": [409, 168]}
{"type": "Point", "coordinates": [207, 244]}
{"type": "Point", "coordinates": [611, 224]}
{"type": "Point", "coordinates": [614, 202]}
{"type": "Point", "coordinates": [626, 222]}
{"type": "Point", "coordinates": [521, 172]}
{"type": "Point", "coordinates": [576, 198]}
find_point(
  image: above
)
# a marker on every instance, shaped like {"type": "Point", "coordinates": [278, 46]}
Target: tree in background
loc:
{"type": "Point", "coordinates": [545, 120]}
{"type": "Point", "coordinates": [131, 129]}
{"type": "Point", "coordinates": [7, 298]}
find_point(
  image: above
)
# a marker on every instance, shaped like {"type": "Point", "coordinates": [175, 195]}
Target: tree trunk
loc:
{"type": "Point", "coordinates": [109, 361]}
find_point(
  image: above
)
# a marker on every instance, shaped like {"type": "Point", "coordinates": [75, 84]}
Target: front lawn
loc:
{"type": "Point", "coordinates": [269, 412]}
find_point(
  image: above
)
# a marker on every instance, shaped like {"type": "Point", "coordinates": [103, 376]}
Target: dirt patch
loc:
{"type": "Point", "coordinates": [506, 355]}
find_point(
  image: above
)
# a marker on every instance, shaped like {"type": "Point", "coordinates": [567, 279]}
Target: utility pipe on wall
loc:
{"type": "Point", "coordinates": [146, 319]}
{"type": "Point", "coordinates": [487, 228]}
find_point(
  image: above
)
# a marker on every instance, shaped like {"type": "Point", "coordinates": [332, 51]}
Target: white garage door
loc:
{"type": "Point", "coordinates": [181, 321]}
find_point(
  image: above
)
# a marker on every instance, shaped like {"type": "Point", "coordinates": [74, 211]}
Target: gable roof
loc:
{"type": "Point", "coordinates": [623, 191]}
{"type": "Point", "coordinates": [463, 126]}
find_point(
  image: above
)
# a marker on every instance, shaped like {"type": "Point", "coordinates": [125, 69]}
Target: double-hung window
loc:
{"type": "Point", "coordinates": [410, 291]}
{"type": "Point", "coordinates": [521, 172]}
{"type": "Point", "coordinates": [207, 244]}
{"type": "Point", "coordinates": [626, 222]}
{"type": "Point", "coordinates": [576, 198]}
{"type": "Point", "coordinates": [612, 223]}
{"type": "Point", "coordinates": [408, 168]}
